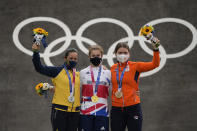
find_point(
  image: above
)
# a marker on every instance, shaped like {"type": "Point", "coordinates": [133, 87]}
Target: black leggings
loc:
{"type": "Point", "coordinates": [64, 121]}
{"type": "Point", "coordinates": [94, 123]}
{"type": "Point", "coordinates": [130, 117]}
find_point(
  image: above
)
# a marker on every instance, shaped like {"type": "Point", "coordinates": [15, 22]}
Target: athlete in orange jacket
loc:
{"type": "Point", "coordinates": [126, 110]}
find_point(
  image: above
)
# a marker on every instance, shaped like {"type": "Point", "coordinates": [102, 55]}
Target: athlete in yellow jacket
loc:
{"type": "Point", "coordinates": [66, 99]}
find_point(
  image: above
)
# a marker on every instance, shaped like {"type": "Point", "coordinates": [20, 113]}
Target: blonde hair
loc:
{"type": "Point", "coordinates": [96, 47]}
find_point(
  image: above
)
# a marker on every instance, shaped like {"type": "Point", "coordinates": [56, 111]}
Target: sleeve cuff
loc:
{"type": "Point", "coordinates": [35, 51]}
{"type": "Point", "coordinates": [155, 50]}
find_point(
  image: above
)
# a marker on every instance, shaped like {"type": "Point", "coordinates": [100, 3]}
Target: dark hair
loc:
{"type": "Point", "coordinates": [70, 50]}
{"type": "Point", "coordinates": [96, 47]}
{"type": "Point", "coordinates": [121, 44]}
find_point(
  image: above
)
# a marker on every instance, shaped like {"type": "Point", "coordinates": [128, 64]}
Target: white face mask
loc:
{"type": "Point", "coordinates": [122, 58]}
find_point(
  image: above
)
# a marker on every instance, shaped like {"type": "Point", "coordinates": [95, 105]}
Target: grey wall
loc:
{"type": "Point", "coordinates": [168, 96]}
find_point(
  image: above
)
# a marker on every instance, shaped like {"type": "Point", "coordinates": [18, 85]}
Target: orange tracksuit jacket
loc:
{"type": "Point", "coordinates": [130, 80]}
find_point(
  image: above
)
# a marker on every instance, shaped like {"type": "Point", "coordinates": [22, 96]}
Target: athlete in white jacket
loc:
{"type": "Point", "coordinates": [95, 83]}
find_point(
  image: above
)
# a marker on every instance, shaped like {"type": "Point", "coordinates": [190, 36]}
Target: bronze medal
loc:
{"type": "Point", "coordinates": [118, 94]}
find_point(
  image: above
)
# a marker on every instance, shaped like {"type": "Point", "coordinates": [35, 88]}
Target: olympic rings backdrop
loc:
{"type": "Point", "coordinates": [109, 56]}
{"type": "Point", "coordinates": [168, 92]}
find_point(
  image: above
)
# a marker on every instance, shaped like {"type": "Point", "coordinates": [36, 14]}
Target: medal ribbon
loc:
{"type": "Point", "coordinates": [95, 86]}
{"type": "Point", "coordinates": [121, 77]}
{"type": "Point", "coordinates": [71, 84]}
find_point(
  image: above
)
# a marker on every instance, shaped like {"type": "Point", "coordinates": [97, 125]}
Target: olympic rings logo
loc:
{"type": "Point", "coordinates": [109, 56]}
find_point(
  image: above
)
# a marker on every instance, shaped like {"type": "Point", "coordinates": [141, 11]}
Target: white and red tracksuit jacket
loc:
{"type": "Point", "coordinates": [88, 107]}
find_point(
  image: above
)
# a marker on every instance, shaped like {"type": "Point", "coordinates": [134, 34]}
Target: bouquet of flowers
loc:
{"type": "Point", "coordinates": [40, 36]}
{"type": "Point", "coordinates": [42, 88]}
{"type": "Point", "coordinates": [148, 32]}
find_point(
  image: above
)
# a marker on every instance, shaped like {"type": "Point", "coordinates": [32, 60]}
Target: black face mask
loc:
{"type": "Point", "coordinates": [95, 61]}
{"type": "Point", "coordinates": [71, 64]}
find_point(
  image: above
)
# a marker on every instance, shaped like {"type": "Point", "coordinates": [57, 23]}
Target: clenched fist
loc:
{"type": "Point", "coordinates": [35, 47]}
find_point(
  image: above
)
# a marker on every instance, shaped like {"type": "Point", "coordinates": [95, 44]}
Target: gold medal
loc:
{"type": "Point", "coordinates": [118, 94]}
{"type": "Point", "coordinates": [94, 98]}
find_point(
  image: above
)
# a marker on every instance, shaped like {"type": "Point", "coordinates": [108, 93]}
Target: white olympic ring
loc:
{"type": "Point", "coordinates": [109, 56]}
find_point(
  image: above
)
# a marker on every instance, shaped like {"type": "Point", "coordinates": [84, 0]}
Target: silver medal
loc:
{"type": "Point", "coordinates": [71, 99]}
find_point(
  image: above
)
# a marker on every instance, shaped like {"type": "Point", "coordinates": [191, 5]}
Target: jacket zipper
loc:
{"type": "Point", "coordinates": [122, 99]}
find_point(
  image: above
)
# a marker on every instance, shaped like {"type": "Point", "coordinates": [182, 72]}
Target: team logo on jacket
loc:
{"type": "Point", "coordinates": [102, 128]}
{"type": "Point", "coordinates": [127, 68]}
{"type": "Point", "coordinates": [136, 117]}
{"type": "Point", "coordinates": [87, 72]}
